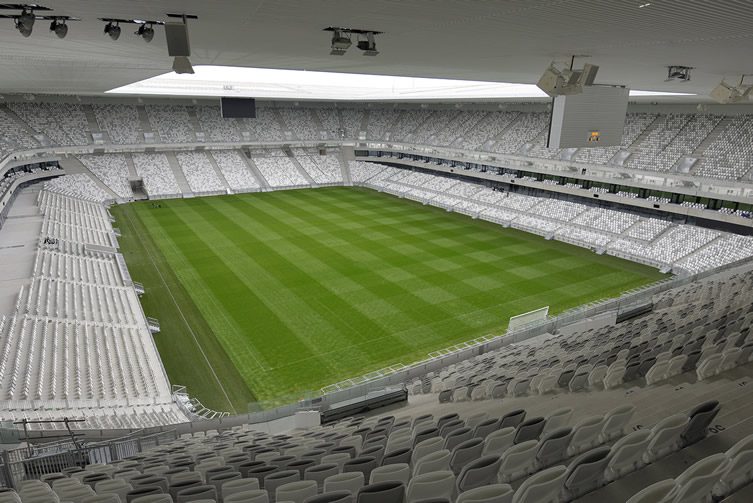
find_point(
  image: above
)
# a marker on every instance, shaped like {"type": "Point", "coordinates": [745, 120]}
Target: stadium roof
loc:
{"type": "Point", "coordinates": [509, 41]}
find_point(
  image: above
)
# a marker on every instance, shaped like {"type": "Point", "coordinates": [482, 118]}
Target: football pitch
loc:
{"type": "Point", "coordinates": [264, 296]}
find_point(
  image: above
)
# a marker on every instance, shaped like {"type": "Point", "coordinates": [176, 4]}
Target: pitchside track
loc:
{"type": "Point", "coordinates": [264, 296]}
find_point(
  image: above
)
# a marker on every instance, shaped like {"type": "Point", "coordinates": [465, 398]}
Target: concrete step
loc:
{"type": "Point", "coordinates": [72, 165]}
{"type": "Point", "coordinates": [255, 170]}
{"type": "Point", "coordinates": [217, 170]}
{"type": "Point", "coordinates": [180, 177]}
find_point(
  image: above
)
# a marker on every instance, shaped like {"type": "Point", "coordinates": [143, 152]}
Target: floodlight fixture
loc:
{"type": "Point", "coordinates": [678, 73]}
{"type": "Point", "coordinates": [342, 40]}
{"type": "Point", "coordinates": [368, 44]}
{"type": "Point", "coordinates": [25, 22]}
{"type": "Point", "coordinates": [146, 31]}
{"type": "Point", "coordinates": [340, 43]}
{"type": "Point", "coordinates": [112, 29]}
{"type": "Point", "coordinates": [567, 81]}
{"type": "Point", "coordinates": [59, 27]}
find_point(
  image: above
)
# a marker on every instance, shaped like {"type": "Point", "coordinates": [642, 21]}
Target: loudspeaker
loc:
{"type": "Point", "coordinates": [177, 39]}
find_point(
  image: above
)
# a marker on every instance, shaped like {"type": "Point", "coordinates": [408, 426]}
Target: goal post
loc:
{"type": "Point", "coordinates": [524, 319]}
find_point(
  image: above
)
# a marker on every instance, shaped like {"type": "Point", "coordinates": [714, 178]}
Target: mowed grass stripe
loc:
{"type": "Point", "coordinates": [358, 261]}
{"type": "Point", "coordinates": [309, 287]}
{"type": "Point", "coordinates": [181, 354]}
{"type": "Point", "coordinates": [374, 339]}
{"type": "Point", "coordinates": [278, 290]}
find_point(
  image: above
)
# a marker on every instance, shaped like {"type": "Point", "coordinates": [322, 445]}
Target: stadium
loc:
{"type": "Point", "coordinates": [376, 252]}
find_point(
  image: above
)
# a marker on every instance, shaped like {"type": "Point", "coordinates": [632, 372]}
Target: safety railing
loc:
{"type": "Point", "coordinates": [26, 464]}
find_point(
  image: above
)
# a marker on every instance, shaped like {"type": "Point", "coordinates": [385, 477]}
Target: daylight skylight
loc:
{"type": "Point", "coordinates": [305, 85]}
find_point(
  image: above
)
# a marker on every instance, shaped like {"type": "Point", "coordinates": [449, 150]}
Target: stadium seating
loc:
{"type": "Point", "coordinates": [685, 247]}
{"type": "Point", "coordinates": [214, 127]}
{"type": "Point", "coordinates": [112, 170]}
{"type": "Point", "coordinates": [78, 342]}
{"type": "Point", "coordinates": [322, 169]}
{"type": "Point", "coordinates": [235, 171]}
{"type": "Point", "coordinates": [120, 122]}
{"type": "Point", "coordinates": [653, 142]}
{"type": "Point", "coordinates": [171, 122]}
{"type": "Point", "coordinates": [279, 171]}
{"type": "Point", "coordinates": [200, 174]}
{"type": "Point", "coordinates": [155, 171]}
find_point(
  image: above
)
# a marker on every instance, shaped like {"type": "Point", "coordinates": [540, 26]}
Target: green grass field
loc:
{"type": "Point", "coordinates": [263, 296]}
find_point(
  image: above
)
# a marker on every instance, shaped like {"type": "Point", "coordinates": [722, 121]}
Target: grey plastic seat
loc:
{"type": "Point", "coordinates": [252, 496]}
{"type": "Point", "coordinates": [450, 426]}
{"type": "Point", "coordinates": [692, 360]}
{"type": "Point", "coordinates": [628, 454]}
{"type": "Point", "coordinates": [447, 418]}
{"type": "Point", "coordinates": [646, 365]}
{"type": "Point", "coordinates": [553, 447]}
{"type": "Point", "coordinates": [478, 473]}
{"type": "Point", "coordinates": [219, 479]}
{"type": "Point", "coordinates": [557, 419]}
{"type": "Point", "coordinates": [333, 497]}
{"type": "Point", "coordinates": [513, 418]}
{"type": "Point", "coordinates": [319, 473]}
{"type": "Point", "coordinates": [632, 371]}
{"type": "Point", "coordinates": [465, 453]}
{"type": "Point", "coordinates": [92, 478]}
{"type": "Point", "coordinates": [352, 482]}
{"type": "Point", "coordinates": [383, 492]}
{"type": "Point", "coordinates": [564, 378]}
{"type": "Point", "coordinates": [586, 472]}
{"type": "Point", "coordinates": [579, 382]}
{"type": "Point", "coordinates": [249, 465]}
{"type": "Point", "coordinates": [530, 429]}
{"type": "Point", "coordinates": [426, 447]}
{"type": "Point", "coordinates": [103, 498]}
{"type": "Point", "coordinates": [697, 482]}
{"type": "Point", "coordinates": [457, 437]}
{"type": "Point", "coordinates": [440, 484]}
{"type": "Point", "coordinates": [432, 462]}
{"type": "Point", "coordinates": [495, 493]}
{"type": "Point", "coordinates": [154, 498]}
{"type": "Point", "coordinates": [615, 421]}
{"type": "Point", "coordinates": [260, 473]}
{"type": "Point", "coordinates": [699, 420]}
{"type": "Point", "coordinates": [197, 493]}
{"type": "Point", "coordinates": [660, 492]}
{"type": "Point", "coordinates": [376, 452]}
{"type": "Point", "coordinates": [485, 427]}
{"type": "Point", "coordinates": [231, 487]}
{"type": "Point", "coordinates": [296, 492]}
{"type": "Point", "coordinates": [425, 434]}
{"type": "Point", "coordinates": [499, 441]}
{"type": "Point", "coordinates": [142, 491]}
{"type": "Point", "coordinates": [399, 472]}
{"type": "Point", "coordinates": [544, 486]}
{"type": "Point", "coordinates": [277, 479]}
{"type": "Point", "coordinates": [338, 459]}
{"type": "Point", "coordinates": [301, 465]}
{"type": "Point", "coordinates": [586, 433]}
{"type": "Point", "coordinates": [114, 486]}
{"type": "Point", "coordinates": [150, 480]}
{"type": "Point", "coordinates": [666, 436]}
{"type": "Point", "coordinates": [361, 464]}
{"type": "Point", "coordinates": [518, 461]}
{"type": "Point", "coordinates": [402, 455]}
{"type": "Point", "coordinates": [170, 473]}
{"type": "Point", "coordinates": [740, 470]}
{"type": "Point", "coordinates": [281, 461]}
